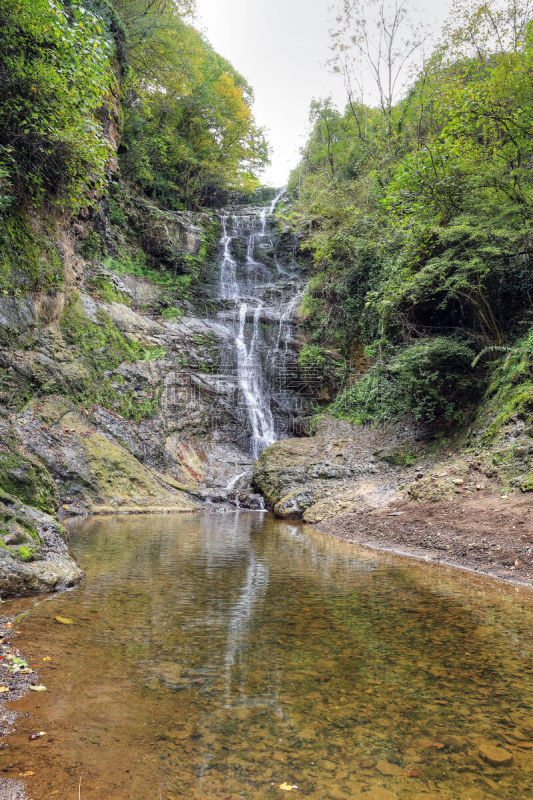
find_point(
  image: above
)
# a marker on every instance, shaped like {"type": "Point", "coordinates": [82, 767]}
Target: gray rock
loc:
{"type": "Point", "coordinates": [53, 566]}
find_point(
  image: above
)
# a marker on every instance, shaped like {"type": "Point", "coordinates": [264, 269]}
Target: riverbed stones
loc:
{"type": "Point", "coordinates": [368, 762]}
{"type": "Point", "coordinates": [495, 755]}
{"type": "Point", "coordinates": [386, 768]}
{"type": "Point", "coordinates": [381, 793]}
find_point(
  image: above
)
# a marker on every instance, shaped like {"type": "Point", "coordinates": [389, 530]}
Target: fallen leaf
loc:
{"type": "Point", "coordinates": [64, 620]}
{"type": "Point", "coordinates": [413, 773]}
{"type": "Point", "coordinates": [47, 658]}
{"type": "Point", "coordinates": [39, 688]}
{"type": "Point", "coordinates": [4, 689]}
{"type": "Point", "coordinates": [38, 735]}
{"type": "Point", "coordinates": [286, 787]}
{"type": "Point", "coordinates": [26, 774]}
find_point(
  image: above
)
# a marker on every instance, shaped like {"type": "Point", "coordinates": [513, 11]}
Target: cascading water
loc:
{"type": "Point", "coordinates": [258, 295]}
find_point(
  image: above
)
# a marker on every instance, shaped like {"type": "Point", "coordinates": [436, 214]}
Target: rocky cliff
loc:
{"type": "Point", "coordinates": [118, 391]}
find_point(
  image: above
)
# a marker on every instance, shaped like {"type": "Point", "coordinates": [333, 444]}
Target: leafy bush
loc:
{"type": "Point", "coordinates": [418, 220]}
{"type": "Point", "coordinates": [172, 312]}
{"type": "Point", "coordinates": [431, 380]}
{"type": "Point", "coordinates": [55, 74]}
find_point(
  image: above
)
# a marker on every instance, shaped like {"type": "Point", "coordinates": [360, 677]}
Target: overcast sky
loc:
{"type": "Point", "coordinates": [281, 47]}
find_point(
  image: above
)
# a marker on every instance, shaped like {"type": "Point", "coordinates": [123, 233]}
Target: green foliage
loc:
{"type": "Point", "coordinates": [172, 312]}
{"type": "Point", "coordinates": [510, 393]}
{"type": "Point", "coordinates": [29, 258]}
{"type": "Point", "coordinates": [92, 247]}
{"type": "Point", "coordinates": [418, 216]}
{"type": "Point", "coordinates": [102, 286]}
{"type": "Point", "coordinates": [313, 358]}
{"type": "Point", "coordinates": [189, 131]}
{"type": "Point", "coordinates": [55, 74]}
{"type": "Point", "coordinates": [161, 277]}
{"type": "Point", "coordinates": [317, 363]}
{"type": "Point", "coordinates": [430, 380]}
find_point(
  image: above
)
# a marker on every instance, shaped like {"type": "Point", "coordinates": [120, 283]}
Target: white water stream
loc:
{"type": "Point", "coordinates": [259, 295]}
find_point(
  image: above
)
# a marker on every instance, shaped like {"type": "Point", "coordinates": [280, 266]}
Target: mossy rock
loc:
{"type": "Point", "coordinates": [40, 563]}
{"type": "Point", "coordinates": [23, 476]}
{"type": "Point", "coordinates": [29, 258]}
{"type": "Point", "coordinates": [527, 483]}
{"type": "Point", "coordinates": [400, 456]}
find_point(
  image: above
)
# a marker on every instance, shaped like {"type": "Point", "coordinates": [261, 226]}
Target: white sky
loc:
{"type": "Point", "coordinates": [281, 47]}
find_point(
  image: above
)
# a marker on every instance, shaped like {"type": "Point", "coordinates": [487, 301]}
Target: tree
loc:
{"type": "Point", "coordinates": [189, 129]}
{"type": "Point", "coordinates": [375, 39]}
{"type": "Point", "coordinates": [325, 120]}
{"type": "Point", "coordinates": [56, 73]}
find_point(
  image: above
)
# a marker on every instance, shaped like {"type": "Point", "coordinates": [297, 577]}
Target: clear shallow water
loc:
{"type": "Point", "coordinates": [222, 656]}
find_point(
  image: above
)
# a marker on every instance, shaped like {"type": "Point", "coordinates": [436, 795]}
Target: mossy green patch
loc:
{"type": "Point", "coordinates": [527, 483]}
{"type": "Point", "coordinates": [29, 258]}
{"type": "Point", "coordinates": [27, 554]}
{"type": "Point", "coordinates": [102, 287]}
{"type": "Point", "coordinates": [510, 394]}
{"type": "Point", "coordinates": [172, 313]}
{"type": "Point", "coordinates": [26, 478]}
{"type": "Point", "coordinates": [104, 348]}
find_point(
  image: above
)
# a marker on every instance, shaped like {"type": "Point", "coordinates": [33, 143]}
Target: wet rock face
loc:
{"type": "Point", "coordinates": [333, 472]}
{"type": "Point", "coordinates": [167, 236]}
{"type": "Point", "coordinates": [93, 470]}
{"type": "Point", "coordinates": [34, 554]}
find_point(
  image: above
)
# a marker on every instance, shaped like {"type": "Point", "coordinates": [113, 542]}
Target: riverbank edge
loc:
{"type": "Point", "coordinates": [494, 542]}
{"type": "Point", "coordinates": [18, 685]}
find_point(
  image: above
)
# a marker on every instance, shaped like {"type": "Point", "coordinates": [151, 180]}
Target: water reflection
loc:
{"type": "Point", "coordinates": [221, 656]}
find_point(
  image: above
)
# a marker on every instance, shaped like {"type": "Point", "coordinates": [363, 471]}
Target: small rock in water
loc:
{"type": "Point", "coordinates": [334, 793]}
{"type": "Point", "coordinates": [454, 742]}
{"type": "Point", "coordinates": [494, 755]}
{"type": "Point", "coordinates": [369, 762]}
{"type": "Point", "coordinates": [307, 734]}
{"type": "Point", "coordinates": [388, 769]}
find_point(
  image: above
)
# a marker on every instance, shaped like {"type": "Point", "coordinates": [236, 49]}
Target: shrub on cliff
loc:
{"type": "Point", "coordinates": [431, 380]}
{"type": "Point", "coordinates": [55, 73]}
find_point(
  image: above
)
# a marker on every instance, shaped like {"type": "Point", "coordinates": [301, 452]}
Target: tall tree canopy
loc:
{"type": "Point", "coordinates": [189, 130]}
{"type": "Point", "coordinates": [418, 212]}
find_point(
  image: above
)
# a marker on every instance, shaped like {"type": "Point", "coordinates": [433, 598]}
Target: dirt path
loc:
{"type": "Point", "coordinates": [485, 533]}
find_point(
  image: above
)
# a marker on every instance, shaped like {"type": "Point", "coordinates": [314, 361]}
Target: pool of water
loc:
{"type": "Point", "coordinates": [220, 657]}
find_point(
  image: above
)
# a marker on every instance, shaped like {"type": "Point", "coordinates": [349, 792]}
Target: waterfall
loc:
{"type": "Point", "coordinates": [258, 296]}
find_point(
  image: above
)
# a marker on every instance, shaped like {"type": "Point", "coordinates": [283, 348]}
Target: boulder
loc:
{"type": "Point", "coordinates": [331, 473]}
{"type": "Point", "coordinates": [43, 563]}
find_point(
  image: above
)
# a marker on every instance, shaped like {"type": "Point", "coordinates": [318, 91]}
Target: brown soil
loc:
{"type": "Point", "coordinates": [486, 533]}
